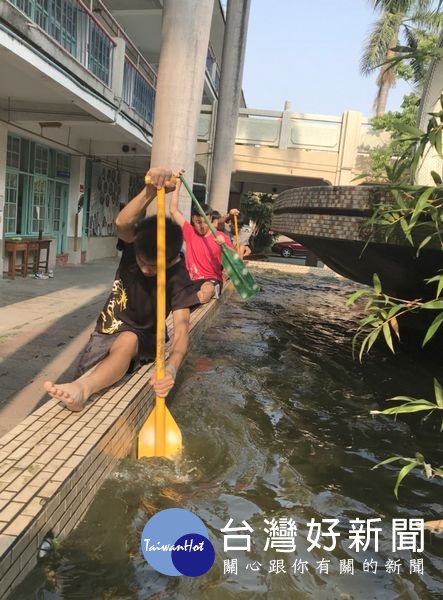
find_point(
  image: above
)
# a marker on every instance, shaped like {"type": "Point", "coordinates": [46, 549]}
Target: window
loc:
{"type": "Point", "coordinates": [63, 166]}
{"type": "Point", "coordinates": [13, 152]}
{"type": "Point", "coordinates": [41, 160]}
{"type": "Point", "coordinates": [39, 204]}
{"type": "Point", "coordinates": [11, 190]}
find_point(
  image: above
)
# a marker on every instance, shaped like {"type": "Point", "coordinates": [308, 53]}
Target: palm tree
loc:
{"type": "Point", "coordinates": [395, 16]}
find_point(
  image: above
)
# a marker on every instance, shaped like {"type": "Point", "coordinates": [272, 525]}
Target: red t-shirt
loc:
{"type": "Point", "coordinates": [203, 254]}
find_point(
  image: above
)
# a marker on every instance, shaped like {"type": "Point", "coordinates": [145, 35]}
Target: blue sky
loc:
{"type": "Point", "coordinates": [308, 52]}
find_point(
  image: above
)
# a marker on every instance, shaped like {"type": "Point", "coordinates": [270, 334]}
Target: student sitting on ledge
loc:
{"type": "Point", "coordinates": [125, 333]}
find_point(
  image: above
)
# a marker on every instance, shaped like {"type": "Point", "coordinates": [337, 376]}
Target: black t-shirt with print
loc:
{"type": "Point", "coordinates": [132, 303]}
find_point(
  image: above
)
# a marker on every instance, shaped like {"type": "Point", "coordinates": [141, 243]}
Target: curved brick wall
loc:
{"type": "Point", "coordinates": [332, 223]}
{"type": "Point", "coordinates": [338, 212]}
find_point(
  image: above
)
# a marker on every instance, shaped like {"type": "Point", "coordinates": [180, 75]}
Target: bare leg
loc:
{"type": "Point", "coordinates": [206, 292]}
{"type": "Point", "coordinates": [105, 373]}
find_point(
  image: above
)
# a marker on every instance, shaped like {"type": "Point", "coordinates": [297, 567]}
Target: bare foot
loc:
{"type": "Point", "coordinates": [73, 395]}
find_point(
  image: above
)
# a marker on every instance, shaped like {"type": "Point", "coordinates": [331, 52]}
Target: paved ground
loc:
{"type": "Point", "coordinates": [44, 324]}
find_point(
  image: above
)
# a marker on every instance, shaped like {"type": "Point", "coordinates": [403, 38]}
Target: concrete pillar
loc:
{"type": "Point", "coordinates": [350, 136]}
{"type": "Point", "coordinates": [124, 187]}
{"type": "Point", "coordinates": [285, 127]}
{"type": "Point", "coordinates": [229, 101]}
{"type": "Point", "coordinates": [185, 37]}
{"type": "Point", "coordinates": [76, 190]}
{"type": "Point", "coordinates": [118, 67]}
{"type": "Point", "coordinates": [3, 147]}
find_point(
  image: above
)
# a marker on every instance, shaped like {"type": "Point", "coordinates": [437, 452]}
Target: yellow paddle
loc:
{"type": "Point", "coordinates": [237, 239]}
{"type": "Point", "coordinates": [160, 435]}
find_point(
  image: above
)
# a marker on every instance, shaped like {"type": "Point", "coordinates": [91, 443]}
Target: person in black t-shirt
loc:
{"type": "Point", "coordinates": [125, 332]}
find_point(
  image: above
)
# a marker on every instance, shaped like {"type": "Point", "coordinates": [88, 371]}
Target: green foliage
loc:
{"type": "Point", "coordinates": [413, 213]}
{"type": "Point", "coordinates": [409, 464]}
{"type": "Point", "coordinates": [382, 157]}
{"type": "Point", "coordinates": [410, 63]}
{"type": "Point", "coordinates": [258, 207]}
{"type": "Point", "coordinates": [413, 23]}
{"type": "Point", "coordinates": [412, 405]}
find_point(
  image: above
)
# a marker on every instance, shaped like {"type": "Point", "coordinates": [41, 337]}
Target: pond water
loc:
{"type": "Point", "coordinates": [275, 418]}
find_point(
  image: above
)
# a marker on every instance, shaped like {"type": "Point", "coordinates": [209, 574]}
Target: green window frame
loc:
{"type": "Point", "coordinates": [11, 202]}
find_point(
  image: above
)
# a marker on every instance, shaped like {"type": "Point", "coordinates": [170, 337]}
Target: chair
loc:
{"type": "Point", "coordinates": [35, 260]}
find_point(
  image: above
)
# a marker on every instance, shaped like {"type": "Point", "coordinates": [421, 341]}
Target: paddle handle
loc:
{"type": "Point", "coordinates": [148, 179]}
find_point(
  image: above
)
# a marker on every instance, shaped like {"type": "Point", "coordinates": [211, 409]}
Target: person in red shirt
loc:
{"type": "Point", "coordinates": [203, 251]}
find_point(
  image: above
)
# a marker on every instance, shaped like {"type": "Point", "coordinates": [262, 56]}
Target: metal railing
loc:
{"type": "Point", "coordinates": [88, 34]}
{"type": "Point", "coordinates": [73, 26]}
{"type": "Point", "coordinates": [212, 69]}
{"type": "Point", "coordinates": [138, 93]}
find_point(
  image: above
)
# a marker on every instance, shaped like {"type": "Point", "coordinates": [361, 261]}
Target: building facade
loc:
{"type": "Point", "coordinates": [76, 117]}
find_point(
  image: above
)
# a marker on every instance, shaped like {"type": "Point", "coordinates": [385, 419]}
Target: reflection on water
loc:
{"type": "Point", "coordinates": [274, 415]}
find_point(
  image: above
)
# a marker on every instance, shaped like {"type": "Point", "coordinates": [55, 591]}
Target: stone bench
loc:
{"type": "Point", "coordinates": [53, 463]}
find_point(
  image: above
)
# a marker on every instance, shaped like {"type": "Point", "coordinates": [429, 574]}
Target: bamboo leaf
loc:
{"type": "Point", "coordinates": [402, 474]}
{"type": "Point", "coordinates": [410, 400]}
{"type": "Point", "coordinates": [355, 296]}
{"type": "Point", "coordinates": [438, 144]}
{"type": "Point", "coordinates": [406, 230]}
{"type": "Point", "coordinates": [362, 349]}
{"type": "Point", "coordinates": [433, 305]}
{"type": "Point", "coordinates": [438, 278]}
{"type": "Point", "coordinates": [388, 337]}
{"type": "Point", "coordinates": [405, 128]}
{"type": "Point", "coordinates": [438, 391]}
{"type": "Point", "coordinates": [376, 283]}
{"type": "Point", "coordinates": [390, 460]}
{"type": "Point", "coordinates": [405, 409]}
{"type": "Point", "coordinates": [426, 240]}
{"type": "Point", "coordinates": [436, 177]}
{"type": "Point", "coordinates": [433, 328]}
{"type": "Point", "coordinates": [372, 337]}
{"type": "Point", "coordinates": [421, 204]}
{"type": "Point", "coordinates": [394, 324]}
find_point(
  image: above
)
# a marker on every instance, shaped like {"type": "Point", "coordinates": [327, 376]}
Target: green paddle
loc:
{"type": "Point", "coordinates": [234, 266]}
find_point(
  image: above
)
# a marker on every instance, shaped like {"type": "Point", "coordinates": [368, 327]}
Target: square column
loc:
{"type": "Point", "coordinates": [3, 147]}
{"type": "Point", "coordinates": [75, 214]}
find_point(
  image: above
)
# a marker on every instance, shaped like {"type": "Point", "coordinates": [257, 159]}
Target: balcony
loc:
{"type": "Point", "coordinates": [91, 37]}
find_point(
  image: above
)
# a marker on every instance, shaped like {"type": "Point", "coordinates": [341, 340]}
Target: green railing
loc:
{"type": "Point", "coordinates": [74, 27]}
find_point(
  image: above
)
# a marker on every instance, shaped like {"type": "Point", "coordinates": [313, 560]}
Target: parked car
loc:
{"type": "Point", "coordinates": [288, 249]}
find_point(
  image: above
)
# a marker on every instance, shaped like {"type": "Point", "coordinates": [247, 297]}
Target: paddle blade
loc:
{"type": "Point", "coordinates": [236, 269]}
{"type": "Point", "coordinates": [160, 434]}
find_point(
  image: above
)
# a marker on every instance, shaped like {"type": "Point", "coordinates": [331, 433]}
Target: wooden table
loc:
{"type": "Point", "coordinates": [31, 249]}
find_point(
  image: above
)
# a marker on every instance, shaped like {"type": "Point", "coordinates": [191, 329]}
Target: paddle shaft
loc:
{"type": "Point", "coordinates": [160, 403]}
{"type": "Point", "coordinates": [237, 239]}
{"type": "Point", "coordinates": [199, 208]}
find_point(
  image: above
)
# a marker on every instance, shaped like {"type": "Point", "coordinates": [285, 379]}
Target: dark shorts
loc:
{"type": "Point", "coordinates": [99, 345]}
